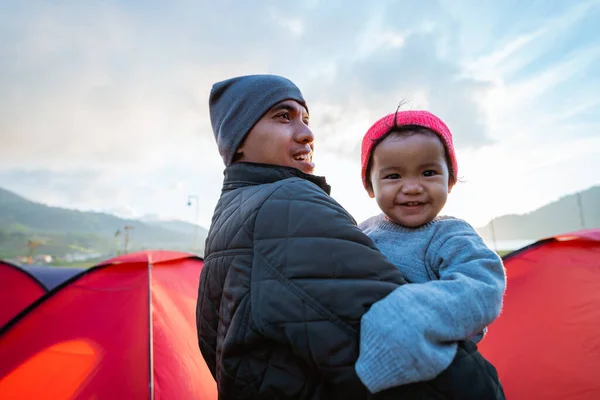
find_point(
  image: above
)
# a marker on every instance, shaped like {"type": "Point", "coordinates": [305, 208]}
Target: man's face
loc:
{"type": "Point", "coordinates": [281, 137]}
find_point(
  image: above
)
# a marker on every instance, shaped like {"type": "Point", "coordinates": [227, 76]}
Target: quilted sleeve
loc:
{"type": "Point", "coordinates": [314, 275]}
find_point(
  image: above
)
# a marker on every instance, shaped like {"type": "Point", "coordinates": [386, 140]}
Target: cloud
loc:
{"type": "Point", "coordinates": [104, 104]}
{"type": "Point", "coordinates": [126, 85]}
{"type": "Point", "coordinates": [109, 91]}
{"type": "Point", "coordinates": [383, 62]}
{"type": "Point", "coordinates": [544, 82]}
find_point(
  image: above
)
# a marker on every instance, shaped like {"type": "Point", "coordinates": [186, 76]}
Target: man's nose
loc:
{"type": "Point", "coordinates": [304, 134]}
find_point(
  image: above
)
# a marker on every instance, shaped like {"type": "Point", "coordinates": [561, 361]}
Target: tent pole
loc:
{"type": "Point", "coordinates": [150, 333]}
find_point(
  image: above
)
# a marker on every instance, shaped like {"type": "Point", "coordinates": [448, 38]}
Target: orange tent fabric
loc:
{"type": "Point", "coordinates": [124, 329]}
{"type": "Point", "coordinates": [546, 342]}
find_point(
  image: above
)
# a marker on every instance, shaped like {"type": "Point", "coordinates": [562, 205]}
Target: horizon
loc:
{"type": "Point", "coordinates": [156, 218]}
{"type": "Point", "coordinates": [111, 115]}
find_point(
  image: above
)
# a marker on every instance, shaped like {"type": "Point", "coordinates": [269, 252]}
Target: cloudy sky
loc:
{"type": "Point", "coordinates": [103, 105]}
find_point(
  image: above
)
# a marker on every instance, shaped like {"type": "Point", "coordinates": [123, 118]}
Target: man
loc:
{"type": "Point", "coordinates": [287, 273]}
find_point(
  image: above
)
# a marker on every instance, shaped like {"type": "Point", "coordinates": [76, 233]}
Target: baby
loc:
{"type": "Point", "coordinates": [456, 283]}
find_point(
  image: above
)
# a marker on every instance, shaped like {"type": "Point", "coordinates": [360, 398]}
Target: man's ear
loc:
{"type": "Point", "coordinates": [238, 155]}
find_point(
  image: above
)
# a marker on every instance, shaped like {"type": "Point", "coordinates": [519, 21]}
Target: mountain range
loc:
{"type": "Point", "coordinates": [28, 227]}
{"type": "Point", "coordinates": [60, 231]}
{"type": "Point", "coordinates": [569, 213]}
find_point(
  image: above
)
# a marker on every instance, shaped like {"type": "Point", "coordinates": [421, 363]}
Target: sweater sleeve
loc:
{"type": "Point", "coordinates": [411, 335]}
{"type": "Point", "coordinates": [313, 277]}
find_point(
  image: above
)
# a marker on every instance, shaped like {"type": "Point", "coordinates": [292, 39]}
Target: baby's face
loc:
{"type": "Point", "coordinates": [409, 178]}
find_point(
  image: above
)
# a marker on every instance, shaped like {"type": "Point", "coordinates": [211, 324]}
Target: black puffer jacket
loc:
{"type": "Point", "coordinates": [287, 276]}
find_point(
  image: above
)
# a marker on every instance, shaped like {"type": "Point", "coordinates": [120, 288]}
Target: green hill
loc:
{"type": "Point", "coordinates": [63, 231]}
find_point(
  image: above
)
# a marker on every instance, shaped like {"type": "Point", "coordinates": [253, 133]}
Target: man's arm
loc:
{"type": "Point", "coordinates": [314, 275]}
{"type": "Point", "coordinates": [207, 319]}
{"type": "Point", "coordinates": [411, 335]}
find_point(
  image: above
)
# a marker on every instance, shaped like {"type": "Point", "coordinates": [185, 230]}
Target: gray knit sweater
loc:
{"type": "Point", "coordinates": [456, 288]}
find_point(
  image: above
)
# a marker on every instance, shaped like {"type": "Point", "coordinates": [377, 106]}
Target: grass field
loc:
{"type": "Point", "coordinates": [78, 264]}
{"type": "Point", "coordinates": [502, 253]}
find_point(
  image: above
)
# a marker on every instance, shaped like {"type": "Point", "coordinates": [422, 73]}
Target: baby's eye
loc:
{"type": "Point", "coordinates": [392, 176]}
{"type": "Point", "coordinates": [430, 172]}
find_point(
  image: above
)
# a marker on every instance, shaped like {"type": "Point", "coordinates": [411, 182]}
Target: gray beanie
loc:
{"type": "Point", "coordinates": [237, 104]}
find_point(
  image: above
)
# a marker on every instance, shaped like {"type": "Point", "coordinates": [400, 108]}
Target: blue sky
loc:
{"type": "Point", "coordinates": [103, 105]}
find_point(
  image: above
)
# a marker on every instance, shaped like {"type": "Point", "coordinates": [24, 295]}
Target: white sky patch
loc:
{"type": "Point", "coordinates": [486, 67]}
{"type": "Point", "coordinates": [374, 35]}
{"type": "Point", "coordinates": [295, 26]}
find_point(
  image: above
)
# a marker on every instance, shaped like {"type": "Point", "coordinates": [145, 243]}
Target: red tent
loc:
{"type": "Point", "coordinates": [124, 329]}
{"type": "Point", "coordinates": [18, 289]}
{"type": "Point", "coordinates": [546, 342]}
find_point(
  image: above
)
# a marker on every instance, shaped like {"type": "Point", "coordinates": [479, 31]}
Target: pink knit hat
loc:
{"type": "Point", "coordinates": [424, 119]}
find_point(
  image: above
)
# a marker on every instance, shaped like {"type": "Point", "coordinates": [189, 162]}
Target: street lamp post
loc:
{"type": "Point", "coordinates": [126, 228]}
{"type": "Point", "coordinates": [580, 207]}
{"type": "Point", "coordinates": [189, 203]}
